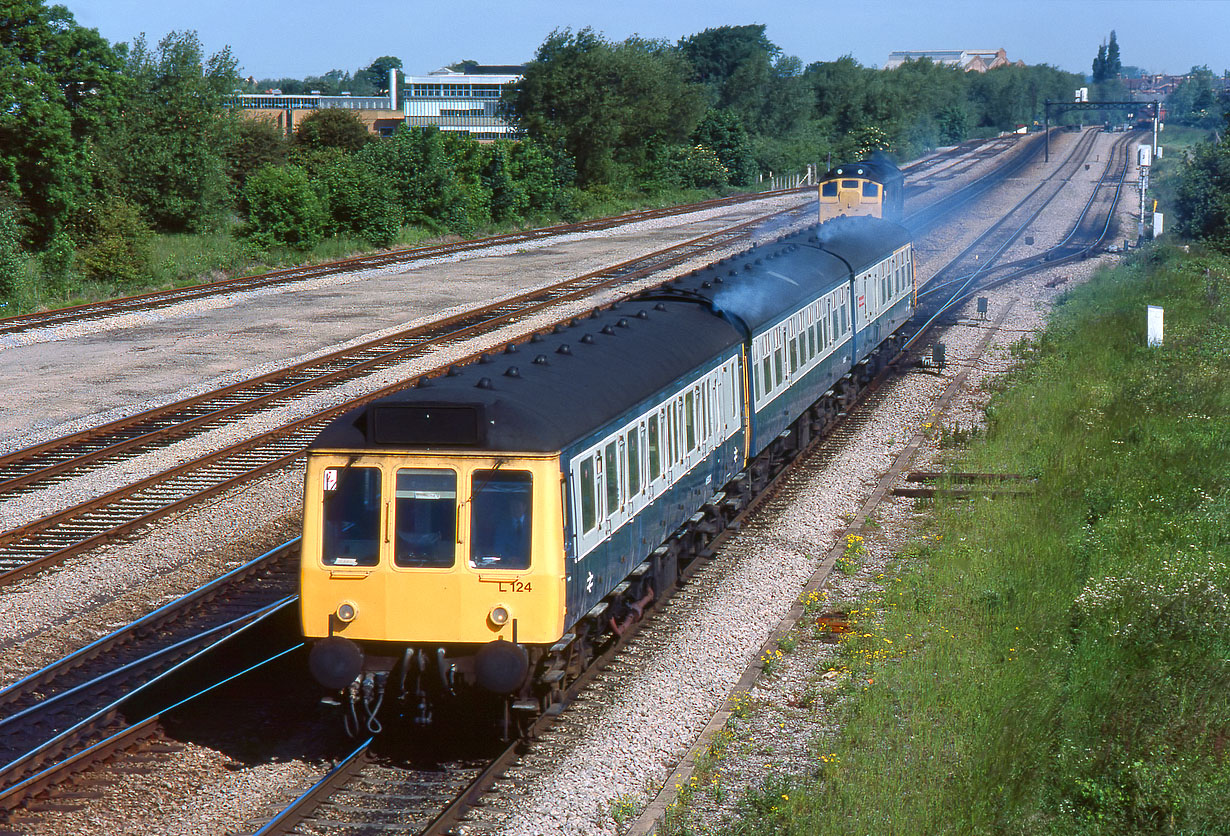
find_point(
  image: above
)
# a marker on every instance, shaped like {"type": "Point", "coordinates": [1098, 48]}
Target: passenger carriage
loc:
{"type": "Point", "coordinates": [483, 531]}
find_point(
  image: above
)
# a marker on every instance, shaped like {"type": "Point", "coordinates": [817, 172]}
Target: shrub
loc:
{"type": "Point", "coordinates": [359, 201]}
{"type": "Point", "coordinates": [283, 208]}
{"type": "Point", "coordinates": [12, 260]}
{"type": "Point", "coordinates": [119, 248]}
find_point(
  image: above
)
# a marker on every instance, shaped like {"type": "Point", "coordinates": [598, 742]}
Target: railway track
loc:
{"type": "Point", "coordinates": [333, 805]}
{"type": "Point", "coordinates": [1087, 234]}
{"type": "Point", "coordinates": [242, 284]}
{"type": "Point", "coordinates": [477, 780]}
{"type": "Point", "coordinates": [47, 541]}
{"type": "Point", "coordinates": [68, 716]}
{"type": "Point", "coordinates": [53, 538]}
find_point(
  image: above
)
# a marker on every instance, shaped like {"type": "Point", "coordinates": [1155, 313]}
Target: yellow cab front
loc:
{"type": "Point", "coordinates": [433, 548]}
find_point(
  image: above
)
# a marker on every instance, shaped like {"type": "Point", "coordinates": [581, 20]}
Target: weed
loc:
{"type": "Point", "coordinates": [852, 556]}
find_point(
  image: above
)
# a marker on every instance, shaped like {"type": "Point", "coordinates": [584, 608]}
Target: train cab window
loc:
{"type": "Point", "coordinates": [351, 506]}
{"type": "Point", "coordinates": [849, 184]}
{"type": "Point", "coordinates": [829, 189]}
{"type": "Point", "coordinates": [655, 450]}
{"type": "Point", "coordinates": [633, 448]}
{"type": "Point", "coordinates": [589, 496]}
{"type": "Point", "coordinates": [610, 465]}
{"type": "Point", "coordinates": [501, 517]}
{"type": "Point", "coordinates": [871, 189]}
{"type": "Point", "coordinates": [425, 518]}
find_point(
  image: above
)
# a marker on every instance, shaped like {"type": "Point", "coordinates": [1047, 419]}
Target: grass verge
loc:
{"type": "Point", "coordinates": [189, 259]}
{"type": "Point", "coordinates": [1058, 663]}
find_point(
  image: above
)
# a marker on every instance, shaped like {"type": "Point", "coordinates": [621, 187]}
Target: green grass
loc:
{"type": "Point", "coordinates": [179, 260]}
{"type": "Point", "coordinates": [1058, 664]}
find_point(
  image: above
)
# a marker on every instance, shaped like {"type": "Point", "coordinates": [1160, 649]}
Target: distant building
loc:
{"type": "Point", "coordinates": [461, 100]}
{"type": "Point", "coordinates": [450, 100]}
{"type": "Point", "coordinates": [970, 60]}
{"type": "Point", "coordinates": [379, 113]}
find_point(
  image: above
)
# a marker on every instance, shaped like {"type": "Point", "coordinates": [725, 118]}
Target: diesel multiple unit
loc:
{"type": "Point", "coordinates": [482, 532]}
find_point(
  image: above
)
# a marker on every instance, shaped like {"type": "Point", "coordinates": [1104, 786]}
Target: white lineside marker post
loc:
{"type": "Point", "coordinates": [1155, 325]}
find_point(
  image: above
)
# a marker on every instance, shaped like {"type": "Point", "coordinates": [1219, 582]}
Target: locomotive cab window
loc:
{"type": "Point", "coordinates": [871, 189]}
{"type": "Point", "coordinates": [501, 515]}
{"type": "Point", "coordinates": [425, 519]}
{"type": "Point", "coordinates": [849, 184]}
{"type": "Point", "coordinates": [829, 189]}
{"type": "Point", "coordinates": [351, 516]}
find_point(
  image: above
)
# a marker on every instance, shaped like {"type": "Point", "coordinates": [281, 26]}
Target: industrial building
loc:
{"type": "Point", "coordinates": [452, 100]}
{"type": "Point", "coordinates": [970, 60]}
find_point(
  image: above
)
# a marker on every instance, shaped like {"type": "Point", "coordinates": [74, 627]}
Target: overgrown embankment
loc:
{"type": "Point", "coordinates": [1058, 663]}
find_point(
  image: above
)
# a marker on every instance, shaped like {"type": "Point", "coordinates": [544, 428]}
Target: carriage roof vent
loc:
{"type": "Point", "coordinates": [607, 329]}
{"type": "Point", "coordinates": [588, 339]}
{"type": "Point", "coordinates": [563, 349]}
{"type": "Point", "coordinates": [540, 360]}
{"type": "Point", "coordinates": [511, 348]}
{"type": "Point", "coordinates": [659, 307]}
{"type": "Point", "coordinates": [484, 383]}
{"type": "Point", "coordinates": [513, 371]}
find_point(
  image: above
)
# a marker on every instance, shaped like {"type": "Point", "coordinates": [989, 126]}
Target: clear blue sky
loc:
{"type": "Point", "coordinates": [309, 37]}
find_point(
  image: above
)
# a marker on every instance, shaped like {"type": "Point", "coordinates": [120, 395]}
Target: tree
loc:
{"type": "Point", "coordinates": [1113, 65]}
{"type": "Point", "coordinates": [607, 102]}
{"type": "Point", "coordinates": [434, 177]}
{"type": "Point", "coordinates": [376, 74]}
{"type": "Point", "coordinates": [1203, 202]}
{"type": "Point", "coordinates": [333, 127]}
{"type": "Point", "coordinates": [724, 133]}
{"type": "Point", "coordinates": [250, 144]}
{"type": "Point", "coordinates": [57, 80]}
{"type": "Point", "coordinates": [166, 146]}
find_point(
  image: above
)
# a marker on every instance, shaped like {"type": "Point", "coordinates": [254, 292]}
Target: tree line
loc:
{"type": "Point", "coordinates": [106, 147]}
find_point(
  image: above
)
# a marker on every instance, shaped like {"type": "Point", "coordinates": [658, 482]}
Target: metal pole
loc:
{"type": "Point", "coordinates": [1046, 128]}
{"type": "Point", "coordinates": [1157, 112]}
{"type": "Point", "coordinates": [1144, 184]}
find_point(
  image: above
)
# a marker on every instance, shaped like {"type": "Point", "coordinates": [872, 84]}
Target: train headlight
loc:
{"type": "Point", "coordinates": [499, 616]}
{"type": "Point", "coordinates": [346, 612]}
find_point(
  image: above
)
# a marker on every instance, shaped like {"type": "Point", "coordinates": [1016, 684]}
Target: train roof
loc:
{"type": "Point", "coordinates": [543, 394]}
{"type": "Point", "coordinates": [880, 170]}
{"type": "Point", "coordinates": [768, 283]}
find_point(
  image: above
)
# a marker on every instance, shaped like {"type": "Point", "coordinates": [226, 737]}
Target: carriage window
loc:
{"type": "Point", "coordinates": [634, 462]}
{"type": "Point", "coordinates": [425, 518]}
{"type": "Point", "coordinates": [655, 450]}
{"type": "Point", "coordinates": [778, 363]}
{"type": "Point", "coordinates": [767, 373]}
{"type": "Point", "coordinates": [829, 189]}
{"type": "Point", "coordinates": [351, 517]}
{"type": "Point", "coordinates": [501, 517]}
{"type": "Point", "coordinates": [811, 341]}
{"type": "Point", "coordinates": [589, 497]}
{"type": "Point", "coordinates": [689, 420]}
{"type": "Point", "coordinates": [610, 463]}
{"type": "Point", "coordinates": [871, 190]}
